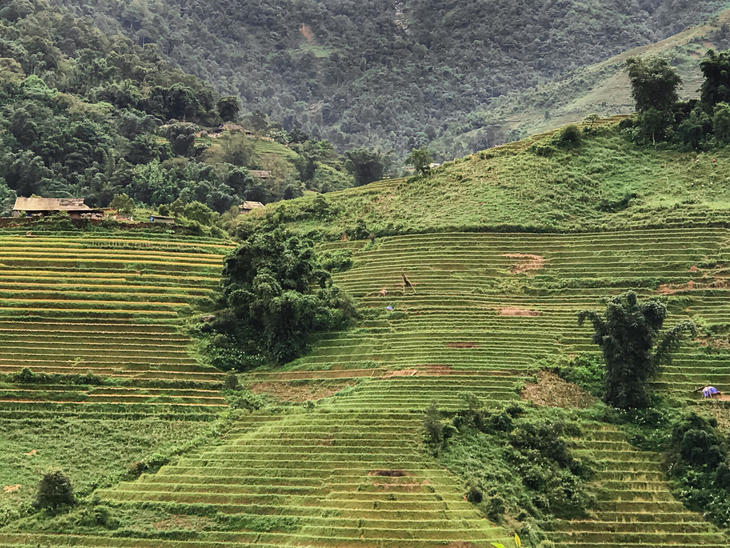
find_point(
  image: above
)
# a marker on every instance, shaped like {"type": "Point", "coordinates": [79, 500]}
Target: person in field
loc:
{"type": "Point", "coordinates": [711, 392]}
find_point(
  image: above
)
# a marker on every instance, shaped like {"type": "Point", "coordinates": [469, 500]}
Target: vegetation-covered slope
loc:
{"type": "Point", "coordinates": [396, 73]}
{"type": "Point", "coordinates": [601, 88]}
{"type": "Point", "coordinates": [85, 113]}
{"type": "Point", "coordinates": [487, 310]}
{"type": "Point", "coordinates": [605, 182]}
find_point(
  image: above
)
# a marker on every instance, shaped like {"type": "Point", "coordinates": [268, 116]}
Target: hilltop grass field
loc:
{"type": "Point", "coordinates": [503, 249]}
{"type": "Point", "coordinates": [536, 185]}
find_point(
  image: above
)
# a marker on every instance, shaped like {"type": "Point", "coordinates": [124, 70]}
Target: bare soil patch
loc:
{"type": "Point", "coordinates": [526, 262]}
{"type": "Point", "coordinates": [514, 311]}
{"type": "Point", "coordinates": [403, 486]}
{"type": "Point", "coordinates": [462, 345]}
{"type": "Point", "coordinates": [552, 391]}
{"type": "Point", "coordinates": [713, 342]}
{"type": "Point", "coordinates": [285, 391]}
{"type": "Point", "coordinates": [388, 473]}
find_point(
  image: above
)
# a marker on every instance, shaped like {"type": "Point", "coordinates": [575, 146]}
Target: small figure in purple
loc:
{"type": "Point", "coordinates": [711, 392]}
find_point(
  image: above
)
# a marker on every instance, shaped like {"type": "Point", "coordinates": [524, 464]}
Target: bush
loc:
{"type": "Point", "coordinates": [495, 508]}
{"type": "Point", "coordinates": [231, 381]}
{"type": "Point", "coordinates": [474, 495]}
{"type": "Point", "coordinates": [569, 136]}
{"type": "Point", "coordinates": [54, 491]}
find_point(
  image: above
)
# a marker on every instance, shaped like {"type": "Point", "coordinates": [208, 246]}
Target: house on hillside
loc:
{"type": "Point", "coordinates": [41, 207]}
{"type": "Point", "coordinates": [248, 207]}
{"type": "Point", "coordinates": [259, 173]}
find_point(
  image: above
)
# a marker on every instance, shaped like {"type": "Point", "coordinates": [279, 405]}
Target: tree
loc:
{"type": "Point", "coordinates": [275, 295]}
{"type": "Point", "coordinates": [7, 199]}
{"type": "Point", "coordinates": [366, 165]}
{"type": "Point", "coordinates": [228, 108]}
{"type": "Point", "coordinates": [694, 128]}
{"type": "Point", "coordinates": [123, 204]}
{"type": "Point", "coordinates": [654, 83]}
{"type": "Point", "coordinates": [420, 159]}
{"type": "Point", "coordinates": [721, 122]}
{"type": "Point", "coordinates": [716, 87]}
{"type": "Point", "coordinates": [627, 334]}
{"type": "Point", "coordinates": [54, 490]}
{"type": "Point", "coordinates": [654, 125]}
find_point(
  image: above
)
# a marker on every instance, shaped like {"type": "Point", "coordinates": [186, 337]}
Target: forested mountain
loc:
{"type": "Point", "coordinates": [89, 113]}
{"type": "Point", "coordinates": [394, 73]}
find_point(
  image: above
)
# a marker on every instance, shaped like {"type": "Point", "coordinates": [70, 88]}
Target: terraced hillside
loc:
{"type": "Point", "coordinates": [95, 320]}
{"type": "Point", "coordinates": [351, 469]}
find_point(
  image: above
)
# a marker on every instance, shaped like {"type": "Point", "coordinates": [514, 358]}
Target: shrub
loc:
{"type": "Point", "coordinates": [495, 508]}
{"type": "Point", "coordinates": [474, 495]}
{"type": "Point", "coordinates": [54, 491]}
{"type": "Point", "coordinates": [231, 381]}
{"type": "Point", "coordinates": [569, 136]}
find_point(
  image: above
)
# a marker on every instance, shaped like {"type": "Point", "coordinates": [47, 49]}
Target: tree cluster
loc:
{"type": "Point", "coordinates": [700, 466]}
{"type": "Point", "coordinates": [275, 296]}
{"type": "Point", "coordinates": [694, 124]}
{"type": "Point", "coordinates": [86, 113]}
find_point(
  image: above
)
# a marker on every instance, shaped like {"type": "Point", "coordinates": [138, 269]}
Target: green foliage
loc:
{"type": "Point", "coordinates": [228, 108]}
{"type": "Point", "coordinates": [231, 381]}
{"type": "Point", "coordinates": [516, 463]}
{"type": "Point", "coordinates": [390, 74]}
{"type": "Point", "coordinates": [54, 491]}
{"type": "Point", "coordinates": [654, 83]}
{"type": "Point", "coordinates": [366, 165]}
{"type": "Point", "coordinates": [716, 70]}
{"type": "Point", "coordinates": [721, 122]}
{"type": "Point", "coordinates": [123, 204]}
{"type": "Point", "coordinates": [587, 371]}
{"type": "Point", "coordinates": [275, 295]}
{"type": "Point", "coordinates": [420, 159]}
{"type": "Point", "coordinates": [627, 334]}
{"type": "Point", "coordinates": [7, 199]}
{"type": "Point", "coordinates": [699, 458]}
{"type": "Point", "coordinates": [569, 136]}
{"type": "Point", "coordinates": [694, 128]}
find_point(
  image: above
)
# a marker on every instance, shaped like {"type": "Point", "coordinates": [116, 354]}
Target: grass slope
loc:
{"type": "Point", "coordinates": [536, 185]}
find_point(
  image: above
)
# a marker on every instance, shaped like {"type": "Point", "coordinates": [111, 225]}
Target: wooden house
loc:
{"type": "Point", "coordinates": [248, 207]}
{"type": "Point", "coordinates": [41, 207]}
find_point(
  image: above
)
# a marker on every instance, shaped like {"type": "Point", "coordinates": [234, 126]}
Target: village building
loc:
{"type": "Point", "coordinates": [41, 207]}
{"type": "Point", "coordinates": [247, 207]}
{"type": "Point", "coordinates": [259, 173]}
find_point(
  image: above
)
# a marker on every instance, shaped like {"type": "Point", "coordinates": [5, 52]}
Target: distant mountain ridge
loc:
{"type": "Point", "coordinates": [397, 74]}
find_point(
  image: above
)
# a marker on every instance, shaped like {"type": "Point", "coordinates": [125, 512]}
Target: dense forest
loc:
{"type": "Point", "coordinates": [92, 114]}
{"type": "Point", "coordinates": [398, 73]}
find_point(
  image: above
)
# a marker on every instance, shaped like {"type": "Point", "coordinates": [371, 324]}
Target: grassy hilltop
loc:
{"type": "Point", "coordinates": [605, 182]}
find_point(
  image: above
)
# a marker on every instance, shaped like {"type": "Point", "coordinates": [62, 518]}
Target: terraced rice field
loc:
{"type": "Point", "coordinates": [108, 305]}
{"type": "Point", "coordinates": [350, 470]}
